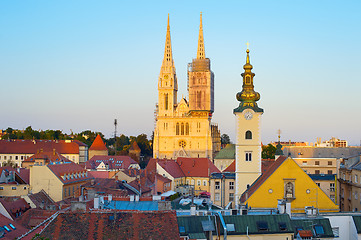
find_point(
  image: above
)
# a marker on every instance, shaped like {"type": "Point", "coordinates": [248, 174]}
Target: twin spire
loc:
{"type": "Point", "coordinates": [168, 57]}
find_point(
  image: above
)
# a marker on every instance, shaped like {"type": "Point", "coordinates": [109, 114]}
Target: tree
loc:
{"type": "Point", "coordinates": [225, 139]}
{"type": "Point", "coordinates": [268, 151]}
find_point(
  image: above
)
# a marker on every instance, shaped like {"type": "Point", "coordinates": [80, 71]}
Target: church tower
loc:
{"type": "Point", "coordinates": [201, 79]}
{"type": "Point", "coordinates": [167, 82]}
{"type": "Point", "coordinates": [248, 129]}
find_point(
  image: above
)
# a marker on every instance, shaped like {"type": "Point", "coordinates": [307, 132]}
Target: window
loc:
{"type": "Point", "coordinates": [329, 171]}
{"type": "Point", "coordinates": [282, 226]}
{"type": "Point", "coordinates": [16, 157]}
{"type": "Point", "coordinates": [318, 184]}
{"type": "Point", "coordinates": [332, 187]}
{"type": "Point", "coordinates": [187, 128]}
{"type": "Point", "coordinates": [217, 185]}
{"type": "Point", "coordinates": [356, 195]}
{"type": "Point", "coordinates": [177, 129]}
{"type": "Point", "coordinates": [182, 128]}
{"type": "Point", "coordinates": [187, 182]}
{"type": "Point", "coordinates": [248, 156]}
{"type": "Point", "coordinates": [248, 135]}
{"type": "Point", "coordinates": [304, 163]}
{"type": "Point", "coordinates": [317, 162]}
{"type": "Point", "coordinates": [166, 101]}
{"type": "Point", "coordinates": [12, 226]}
{"type": "Point", "coordinates": [7, 229]}
{"type": "Point", "coordinates": [356, 178]}
{"type": "Point", "coordinates": [199, 182]}
{"type": "Point", "coordinates": [262, 226]}
{"type": "Point", "coordinates": [217, 197]}
{"type": "Point", "coordinates": [22, 157]}
{"type": "Point", "coordinates": [231, 197]}
{"type": "Point", "coordinates": [24, 188]}
{"type": "Point", "coordinates": [329, 163]}
{"type": "Point", "coordinates": [204, 183]}
{"type": "Point", "coordinates": [319, 230]}
{"type": "Point", "coordinates": [1, 188]}
{"type": "Point", "coordinates": [192, 182]}
{"type": "Point", "coordinates": [13, 188]}
{"type": "Point", "coordinates": [231, 185]}
{"type": "Point", "coordinates": [317, 171]}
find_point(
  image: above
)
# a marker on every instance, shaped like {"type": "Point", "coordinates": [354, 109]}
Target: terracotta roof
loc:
{"type": "Point", "coordinates": [33, 217]}
{"type": "Point", "coordinates": [13, 233]}
{"type": "Point", "coordinates": [261, 179]}
{"type": "Point", "coordinates": [266, 163]}
{"type": "Point", "coordinates": [114, 162]}
{"type": "Point", "coordinates": [41, 199]}
{"type": "Point", "coordinates": [197, 167]}
{"type": "Point", "coordinates": [114, 225]}
{"type": "Point", "coordinates": [106, 186]}
{"type": "Point", "coordinates": [15, 207]}
{"type": "Point", "coordinates": [24, 174]}
{"type": "Point", "coordinates": [33, 146]}
{"type": "Point", "coordinates": [48, 157]}
{"type": "Point", "coordinates": [133, 172]}
{"type": "Point", "coordinates": [98, 174]}
{"type": "Point", "coordinates": [305, 233]}
{"type": "Point", "coordinates": [69, 172]}
{"type": "Point", "coordinates": [134, 146]}
{"type": "Point", "coordinates": [98, 144]}
{"type": "Point", "coordinates": [231, 168]}
{"type": "Point", "coordinates": [171, 166]}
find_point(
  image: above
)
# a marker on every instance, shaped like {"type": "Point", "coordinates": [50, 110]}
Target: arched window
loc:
{"type": "Point", "coordinates": [248, 135]}
{"type": "Point", "coordinates": [187, 128]}
{"type": "Point", "coordinates": [166, 101]}
{"type": "Point", "coordinates": [182, 128]}
{"type": "Point", "coordinates": [177, 129]}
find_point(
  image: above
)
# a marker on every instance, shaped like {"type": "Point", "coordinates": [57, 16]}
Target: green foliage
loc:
{"type": "Point", "coordinates": [268, 151]}
{"type": "Point", "coordinates": [225, 139]}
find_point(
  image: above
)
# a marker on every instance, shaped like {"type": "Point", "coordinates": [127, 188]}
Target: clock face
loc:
{"type": "Point", "coordinates": [248, 115]}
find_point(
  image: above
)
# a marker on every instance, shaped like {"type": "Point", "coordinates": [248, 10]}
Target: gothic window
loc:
{"type": "Point", "coordinates": [182, 128]}
{"type": "Point", "coordinates": [248, 135]}
{"type": "Point", "coordinates": [187, 128]}
{"type": "Point", "coordinates": [177, 129]}
{"type": "Point", "coordinates": [199, 99]}
{"type": "Point", "coordinates": [166, 101]}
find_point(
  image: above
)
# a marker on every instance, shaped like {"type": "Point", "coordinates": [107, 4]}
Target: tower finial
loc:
{"type": "Point", "coordinates": [247, 60]}
{"type": "Point", "coordinates": [200, 51]}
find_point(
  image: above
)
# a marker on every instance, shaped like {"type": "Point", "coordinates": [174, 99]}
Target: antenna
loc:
{"type": "Point", "coordinates": [115, 136]}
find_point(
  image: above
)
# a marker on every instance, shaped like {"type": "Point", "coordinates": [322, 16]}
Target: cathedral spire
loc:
{"type": "Point", "coordinates": [168, 56]}
{"type": "Point", "coordinates": [200, 51]}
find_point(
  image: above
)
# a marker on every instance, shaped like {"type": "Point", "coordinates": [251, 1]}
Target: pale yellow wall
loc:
{"type": "Point", "coordinates": [247, 171]}
{"type": "Point", "coordinates": [42, 178]}
{"type": "Point", "coordinates": [92, 153]}
{"type": "Point", "coordinates": [18, 158]}
{"type": "Point", "coordinates": [6, 190]}
{"type": "Point", "coordinates": [198, 188]}
{"type": "Point", "coordinates": [223, 189]}
{"type": "Point", "coordinates": [264, 198]}
{"type": "Point", "coordinates": [283, 236]}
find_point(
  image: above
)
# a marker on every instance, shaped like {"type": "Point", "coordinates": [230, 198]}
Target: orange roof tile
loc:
{"type": "Point", "coordinates": [98, 144]}
{"type": "Point", "coordinates": [231, 168]}
{"type": "Point", "coordinates": [134, 146]}
{"type": "Point", "coordinates": [197, 167]}
{"type": "Point", "coordinates": [48, 157]}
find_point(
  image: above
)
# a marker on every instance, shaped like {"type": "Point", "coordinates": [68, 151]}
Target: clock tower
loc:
{"type": "Point", "coordinates": [248, 130]}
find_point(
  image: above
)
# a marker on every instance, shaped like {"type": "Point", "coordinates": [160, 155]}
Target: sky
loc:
{"type": "Point", "coordinates": [78, 65]}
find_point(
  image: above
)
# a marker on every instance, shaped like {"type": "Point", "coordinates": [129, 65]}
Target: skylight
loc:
{"type": "Point", "coordinates": [262, 226]}
{"type": "Point", "coordinates": [12, 226]}
{"type": "Point", "coordinates": [7, 229]}
{"type": "Point", "coordinates": [282, 226]}
{"type": "Point", "coordinates": [319, 230]}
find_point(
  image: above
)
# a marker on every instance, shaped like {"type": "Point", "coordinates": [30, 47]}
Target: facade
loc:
{"type": "Point", "coordinates": [44, 158]}
{"type": "Point", "coordinates": [105, 163]}
{"type": "Point", "coordinates": [12, 183]}
{"type": "Point", "coordinates": [17, 151]}
{"type": "Point", "coordinates": [59, 181]}
{"type": "Point", "coordinates": [248, 129]}
{"type": "Point", "coordinates": [98, 148]}
{"type": "Point", "coordinates": [184, 129]}
{"type": "Point", "coordinates": [222, 189]}
{"type": "Point", "coordinates": [286, 180]}
{"type": "Point", "coordinates": [225, 157]}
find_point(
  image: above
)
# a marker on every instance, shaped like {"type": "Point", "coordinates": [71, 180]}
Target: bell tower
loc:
{"type": "Point", "coordinates": [167, 81]}
{"type": "Point", "coordinates": [201, 79]}
{"type": "Point", "coordinates": [248, 129]}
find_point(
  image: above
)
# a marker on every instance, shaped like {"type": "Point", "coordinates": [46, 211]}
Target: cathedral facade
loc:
{"type": "Point", "coordinates": [184, 128]}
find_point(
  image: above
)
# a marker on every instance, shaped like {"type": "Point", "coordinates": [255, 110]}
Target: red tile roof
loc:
{"type": "Point", "coordinates": [33, 146]}
{"type": "Point", "coordinates": [41, 199]}
{"type": "Point", "coordinates": [171, 166]}
{"type": "Point", "coordinates": [48, 157]}
{"type": "Point", "coordinates": [197, 167]}
{"type": "Point", "coordinates": [24, 174]}
{"type": "Point", "coordinates": [305, 233]}
{"type": "Point", "coordinates": [15, 208]}
{"type": "Point", "coordinates": [114, 162]}
{"type": "Point", "coordinates": [122, 225]}
{"type": "Point", "coordinates": [134, 146]}
{"type": "Point", "coordinates": [261, 179]}
{"type": "Point", "coordinates": [33, 217]}
{"type": "Point", "coordinates": [14, 233]}
{"type": "Point", "coordinates": [98, 144]}
{"type": "Point", "coordinates": [266, 163]}
{"type": "Point", "coordinates": [98, 174]}
{"type": "Point", "coordinates": [231, 168]}
{"type": "Point", "coordinates": [69, 172]}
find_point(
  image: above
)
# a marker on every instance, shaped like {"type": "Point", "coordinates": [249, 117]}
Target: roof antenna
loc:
{"type": "Point", "coordinates": [115, 136]}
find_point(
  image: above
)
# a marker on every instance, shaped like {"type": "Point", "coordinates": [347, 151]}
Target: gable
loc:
{"type": "Point", "coordinates": [305, 190]}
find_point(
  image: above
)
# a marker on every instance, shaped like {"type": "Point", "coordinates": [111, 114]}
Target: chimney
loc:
{"type": "Point", "coordinates": [54, 151]}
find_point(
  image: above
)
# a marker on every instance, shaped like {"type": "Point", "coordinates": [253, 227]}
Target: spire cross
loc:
{"type": "Point", "coordinates": [279, 134]}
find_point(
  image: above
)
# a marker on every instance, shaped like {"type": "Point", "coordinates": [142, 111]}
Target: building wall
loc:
{"type": "Point", "coordinates": [41, 177]}
{"type": "Point", "coordinates": [16, 158]}
{"type": "Point", "coordinates": [92, 153]}
{"type": "Point", "coordinates": [319, 165]}
{"type": "Point", "coordinates": [201, 184]}
{"type": "Point", "coordinates": [247, 171]}
{"type": "Point", "coordinates": [221, 194]}
{"type": "Point", "coordinates": [222, 164]}
{"type": "Point", "coordinates": [13, 190]}
{"type": "Point", "coordinates": [345, 224]}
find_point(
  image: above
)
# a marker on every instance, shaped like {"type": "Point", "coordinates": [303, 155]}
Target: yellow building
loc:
{"type": "Point", "coordinates": [59, 181]}
{"type": "Point", "coordinates": [248, 129]}
{"type": "Point", "coordinates": [184, 129]}
{"type": "Point", "coordinates": [286, 180]}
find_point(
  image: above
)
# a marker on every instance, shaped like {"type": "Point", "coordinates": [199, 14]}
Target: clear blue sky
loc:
{"type": "Point", "coordinates": [80, 64]}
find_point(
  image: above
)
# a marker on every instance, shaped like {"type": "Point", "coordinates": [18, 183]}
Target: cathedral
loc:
{"type": "Point", "coordinates": [184, 128]}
